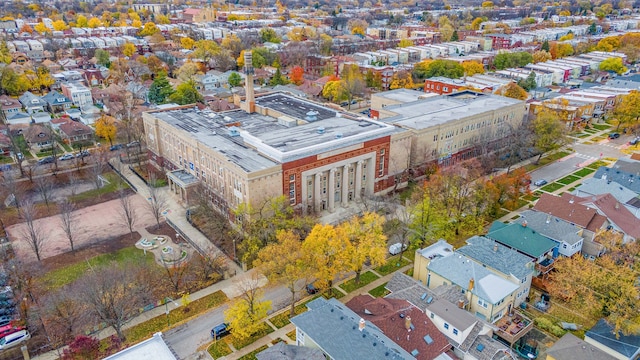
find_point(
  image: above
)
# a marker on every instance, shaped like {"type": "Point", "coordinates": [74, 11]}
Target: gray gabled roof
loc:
{"type": "Point", "coordinates": [54, 98]}
{"type": "Point", "coordinates": [282, 351]}
{"type": "Point", "coordinates": [334, 328]}
{"type": "Point", "coordinates": [628, 180]}
{"type": "Point", "coordinates": [570, 347]}
{"type": "Point", "coordinates": [596, 186]}
{"type": "Point", "coordinates": [28, 99]}
{"type": "Point", "coordinates": [497, 256]}
{"type": "Point", "coordinates": [550, 226]}
{"type": "Point", "coordinates": [627, 345]}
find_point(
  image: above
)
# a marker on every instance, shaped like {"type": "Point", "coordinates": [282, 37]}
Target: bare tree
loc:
{"type": "Point", "coordinates": [73, 181]}
{"type": "Point", "coordinates": [64, 315]}
{"type": "Point", "coordinates": [12, 190]}
{"type": "Point", "coordinates": [157, 201]}
{"type": "Point", "coordinates": [68, 220]}
{"type": "Point", "coordinates": [33, 234]}
{"type": "Point", "coordinates": [98, 165]}
{"type": "Point", "coordinates": [210, 266]}
{"type": "Point", "coordinates": [127, 211]}
{"type": "Point", "coordinates": [177, 274]}
{"type": "Point", "coordinates": [44, 186]}
{"type": "Point", "coordinates": [114, 295]}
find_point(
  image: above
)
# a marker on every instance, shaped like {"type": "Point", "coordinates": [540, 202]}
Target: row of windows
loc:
{"type": "Point", "coordinates": [523, 292]}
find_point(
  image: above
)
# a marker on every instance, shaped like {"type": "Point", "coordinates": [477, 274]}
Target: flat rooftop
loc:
{"type": "Point", "coordinates": [422, 114]}
{"type": "Point", "coordinates": [403, 95]}
{"type": "Point", "coordinates": [255, 141]}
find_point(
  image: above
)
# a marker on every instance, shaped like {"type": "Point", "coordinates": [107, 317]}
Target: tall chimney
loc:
{"type": "Point", "coordinates": [471, 284]}
{"type": "Point", "coordinates": [407, 323]}
{"type": "Point", "coordinates": [361, 324]}
{"type": "Point", "coordinates": [250, 101]}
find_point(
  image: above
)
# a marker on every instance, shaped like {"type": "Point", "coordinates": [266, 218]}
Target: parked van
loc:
{"type": "Point", "coordinates": [14, 339]}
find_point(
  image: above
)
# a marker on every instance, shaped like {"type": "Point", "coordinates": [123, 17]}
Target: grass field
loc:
{"type": "Point", "coordinates": [365, 279]}
{"type": "Point", "coordinates": [252, 355]}
{"type": "Point", "coordinates": [596, 165]}
{"type": "Point", "coordinates": [601, 126]}
{"type": "Point", "coordinates": [115, 183]}
{"type": "Point", "coordinates": [583, 172]}
{"type": "Point", "coordinates": [568, 179]}
{"type": "Point", "coordinates": [379, 291]}
{"type": "Point", "coordinates": [264, 329]}
{"type": "Point", "coordinates": [392, 265]}
{"type": "Point", "coordinates": [281, 320]}
{"type": "Point", "coordinates": [219, 349]}
{"type": "Point", "coordinates": [552, 187]}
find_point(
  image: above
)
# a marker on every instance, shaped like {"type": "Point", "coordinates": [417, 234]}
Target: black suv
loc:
{"type": "Point", "coordinates": [219, 331]}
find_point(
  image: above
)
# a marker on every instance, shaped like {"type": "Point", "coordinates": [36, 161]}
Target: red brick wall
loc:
{"type": "Point", "coordinates": [297, 167]}
{"type": "Point", "coordinates": [437, 87]}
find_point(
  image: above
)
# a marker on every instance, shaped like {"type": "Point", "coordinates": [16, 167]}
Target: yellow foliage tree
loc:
{"type": "Point", "coordinates": [405, 43]}
{"type": "Point", "coordinates": [246, 313]}
{"type": "Point", "coordinates": [162, 19]}
{"type": "Point", "coordinates": [41, 28]}
{"type": "Point", "coordinates": [187, 43]}
{"type": "Point", "coordinates": [81, 21]}
{"type": "Point", "coordinates": [106, 128]}
{"type": "Point", "coordinates": [541, 56]}
{"type": "Point", "coordinates": [514, 91]}
{"type": "Point", "coordinates": [609, 43]}
{"type": "Point", "coordinates": [366, 241]}
{"type": "Point", "coordinates": [59, 25]}
{"type": "Point", "coordinates": [472, 67]}
{"type": "Point", "coordinates": [401, 80]}
{"type": "Point", "coordinates": [136, 23]}
{"type": "Point", "coordinates": [128, 49]}
{"type": "Point", "coordinates": [325, 252]}
{"type": "Point", "coordinates": [487, 4]}
{"type": "Point", "coordinates": [149, 29]}
{"type": "Point", "coordinates": [94, 22]}
{"type": "Point", "coordinates": [475, 24]}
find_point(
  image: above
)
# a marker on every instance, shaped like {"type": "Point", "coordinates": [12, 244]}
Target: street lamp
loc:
{"type": "Point", "coordinates": [166, 308]}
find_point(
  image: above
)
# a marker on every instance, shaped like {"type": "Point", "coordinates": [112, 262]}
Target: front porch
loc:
{"type": "Point", "coordinates": [182, 184]}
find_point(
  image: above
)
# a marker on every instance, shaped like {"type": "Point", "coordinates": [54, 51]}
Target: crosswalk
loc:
{"type": "Point", "coordinates": [586, 157]}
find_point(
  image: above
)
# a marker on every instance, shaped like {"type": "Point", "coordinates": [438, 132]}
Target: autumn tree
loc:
{"type": "Point", "coordinates": [5, 55]}
{"type": "Point", "coordinates": [420, 69]}
{"type": "Point", "coordinates": [41, 28]}
{"type": "Point", "coordinates": [627, 112]}
{"type": "Point", "coordinates": [472, 67]}
{"type": "Point", "coordinates": [549, 131]}
{"type": "Point", "coordinates": [82, 348]}
{"type": "Point", "coordinates": [283, 262]}
{"type": "Point", "coordinates": [610, 43]}
{"type": "Point", "coordinates": [613, 64]}
{"type": "Point", "coordinates": [128, 49]}
{"type": "Point", "coordinates": [102, 57]}
{"type": "Point", "coordinates": [405, 43]}
{"type": "Point", "coordinates": [187, 43]}
{"type": "Point", "coordinates": [366, 241]}
{"type": "Point", "coordinates": [149, 29]}
{"type": "Point", "coordinates": [514, 91]}
{"type": "Point", "coordinates": [445, 27]}
{"type": "Point", "coordinates": [541, 56]}
{"type": "Point", "coordinates": [296, 75]}
{"type": "Point", "coordinates": [325, 251]}
{"type": "Point", "coordinates": [246, 313]}
{"type": "Point", "coordinates": [59, 25]}
{"type": "Point", "coordinates": [94, 22]}
{"type": "Point", "coordinates": [106, 128]}
{"type": "Point", "coordinates": [357, 26]}
{"type": "Point", "coordinates": [269, 35]}
{"type": "Point", "coordinates": [400, 80]}
{"type": "Point", "coordinates": [352, 82]}
{"type": "Point", "coordinates": [605, 287]}
{"type": "Point", "coordinates": [475, 24]}
{"type": "Point", "coordinates": [81, 21]}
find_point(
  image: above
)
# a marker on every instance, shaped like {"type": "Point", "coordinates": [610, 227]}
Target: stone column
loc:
{"type": "Point", "coordinates": [358, 179]}
{"type": "Point", "coordinates": [371, 176]}
{"type": "Point", "coordinates": [345, 185]}
{"type": "Point", "coordinates": [332, 189]}
{"type": "Point", "coordinates": [316, 193]}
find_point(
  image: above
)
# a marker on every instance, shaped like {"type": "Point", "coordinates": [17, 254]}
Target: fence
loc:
{"type": "Point", "coordinates": [177, 229]}
{"type": "Point", "coordinates": [138, 175]}
{"type": "Point", "coordinates": [224, 251]}
{"type": "Point", "coordinates": [123, 177]}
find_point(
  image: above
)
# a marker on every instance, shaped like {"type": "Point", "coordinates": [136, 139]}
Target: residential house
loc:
{"type": "Point", "coordinates": [208, 81]}
{"type": "Point", "coordinates": [566, 208]}
{"type": "Point", "coordinates": [490, 296]}
{"type": "Point", "coordinates": [73, 132]}
{"type": "Point", "coordinates": [153, 348]}
{"type": "Point", "coordinates": [620, 219]}
{"type": "Point", "coordinates": [616, 344]}
{"type": "Point", "coordinates": [283, 351]}
{"type": "Point", "coordinates": [503, 261]}
{"type": "Point", "coordinates": [42, 117]}
{"type": "Point", "coordinates": [19, 118]}
{"type": "Point", "coordinates": [400, 320]}
{"type": "Point", "coordinates": [594, 187]}
{"type": "Point", "coordinates": [79, 94]}
{"type": "Point", "coordinates": [340, 333]}
{"type": "Point", "coordinates": [623, 172]}
{"type": "Point", "coordinates": [527, 241]}
{"type": "Point", "coordinates": [564, 233]}
{"type": "Point", "coordinates": [32, 103]}
{"type": "Point", "coordinates": [570, 347]}
{"type": "Point", "coordinates": [5, 145]}
{"type": "Point", "coordinates": [93, 77]}
{"type": "Point", "coordinates": [56, 102]}
{"type": "Point", "coordinates": [38, 137]}
{"type": "Point", "coordinates": [9, 106]}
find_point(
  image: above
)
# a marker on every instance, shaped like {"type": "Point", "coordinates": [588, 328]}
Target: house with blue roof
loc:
{"type": "Point", "coordinates": [567, 235]}
{"type": "Point", "coordinates": [57, 102]}
{"type": "Point", "coordinates": [618, 345]}
{"type": "Point", "coordinates": [625, 196]}
{"type": "Point", "coordinates": [340, 333]}
{"type": "Point", "coordinates": [625, 178]}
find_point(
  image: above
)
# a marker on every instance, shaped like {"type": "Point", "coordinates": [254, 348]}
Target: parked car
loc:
{"type": "Point", "coordinates": [83, 153]}
{"type": "Point", "coordinates": [396, 248]}
{"type": "Point", "coordinates": [5, 320]}
{"type": "Point", "coordinates": [219, 331]}
{"type": "Point", "coordinates": [133, 143]}
{"type": "Point", "coordinates": [7, 311]}
{"type": "Point", "coordinates": [14, 339]}
{"type": "Point", "coordinates": [9, 329]}
{"type": "Point", "coordinates": [66, 157]}
{"type": "Point", "coordinates": [614, 135]}
{"type": "Point", "coordinates": [634, 141]}
{"type": "Point", "coordinates": [540, 182]}
{"type": "Point", "coordinates": [311, 289]}
{"type": "Point", "coordinates": [116, 147]}
{"type": "Point", "coordinates": [7, 303]}
{"type": "Point", "coordinates": [46, 160]}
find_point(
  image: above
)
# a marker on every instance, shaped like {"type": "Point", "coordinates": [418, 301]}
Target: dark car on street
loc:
{"type": "Point", "coordinates": [46, 160]}
{"type": "Point", "coordinates": [614, 135]}
{"type": "Point", "coordinates": [116, 147]}
{"type": "Point", "coordinates": [311, 289]}
{"type": "Point", "coordinates": [219, 331]}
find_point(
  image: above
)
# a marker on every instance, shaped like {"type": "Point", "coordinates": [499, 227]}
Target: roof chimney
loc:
{"type": "Point", "coordinates": [495, 247]}
{"type": "Point", "coordinates": [471, 284]}
{"type": "Point", "coordinates": [407, 323]}
{"type": "Point", "coordinates": [524, 223]}
{"type": "Point", "coordinates": [548, 219]}
{"type": "Point", "coordinates": [250, 101]}
{"type": "Point", "coordinates": [361, 324]}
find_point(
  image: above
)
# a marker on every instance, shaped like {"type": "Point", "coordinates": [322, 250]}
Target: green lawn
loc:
{"type": "Point", "coordinates": [568, 179]}
{"type": "Point", "coordinates": [501, 213]}
{"type": "Point", "coordinates": [530, 197]}
{"type": "Point", "coordinates": [583, 172]}
{"type": "Point", "coordinates": [546, 160]}
{"type": "Point", "coordinates": [596, 165]}
{"type": "Point", "coordinates": [219, 349]}
{"type": "Point", "coordinates": [335, 293]}
{"type": "Point", "coordinates": [252, 355]}
{"type": "Point", "coordinates": [582, 136]}
{"type": "Point", "coordinates": [68, 274]}
{"type": "Point", "coordinates": [264, 330]}
{"type": "Point", "coordinates": [393, 264]}
{"type": "Point", "coordinates": [114, 184]}
{"type": "Point", "coordinates": [6, 160]}
{"type": "Point", "coordinates": [379, 291]}
{"type": "Point", "coordinates": [365, 279]}
{"type": "Point", "coordinates": [281, 320]}
{"type": "Point", "coordinates": [601, 126]}
{"type": "Point", "coordinates": [552, 187]}
{"type": "Point", "coordinates": [146, 329]}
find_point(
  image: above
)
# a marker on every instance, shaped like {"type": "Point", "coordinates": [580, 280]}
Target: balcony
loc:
{"type": "Point", "coordinates": [512, 328]}
{"type": "Point", "coordinates": [544, 266]}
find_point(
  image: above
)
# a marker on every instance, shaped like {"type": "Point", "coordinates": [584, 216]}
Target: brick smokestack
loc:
{"type": "Point", "coordinates": [250, 101]}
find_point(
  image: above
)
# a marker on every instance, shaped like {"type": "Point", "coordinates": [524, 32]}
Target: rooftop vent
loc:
{"type": "Point", "coordinates": [339, 136]}
{"type": "Point", "coordinates": [428, 339]}
{"type": "Point", "coordinates": [311, 116]}
{"type": "Point", "coordinates": [480, 347]}
{"type": "Point", "coordinates": [320, 130]}
{"type": "Point", "coordinates": [233, 131]}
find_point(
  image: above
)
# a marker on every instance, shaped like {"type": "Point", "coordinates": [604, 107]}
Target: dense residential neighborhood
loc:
{"type": "Point", "coordinates": [319, 180]}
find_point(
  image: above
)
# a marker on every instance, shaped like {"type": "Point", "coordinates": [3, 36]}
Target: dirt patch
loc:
{"type": "Point", "coordinates": [164, 230]}
{"type": "Point", "coordinates": [89, 251]}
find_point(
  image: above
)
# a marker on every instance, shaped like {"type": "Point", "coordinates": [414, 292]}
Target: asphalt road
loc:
{"type": "Point", "coordinates": [187, 338]}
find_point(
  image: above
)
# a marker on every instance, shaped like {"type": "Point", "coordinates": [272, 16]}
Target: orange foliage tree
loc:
{"type": "Point", "coordinates": [297, 75]}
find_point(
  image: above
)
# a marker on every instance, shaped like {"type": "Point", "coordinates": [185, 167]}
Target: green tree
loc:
{"type": "Point", "coordinates": [545, 46]}
{"type": "Point", "coordinates": [627, 112]}
{"type": "Point", "coordinates": [186, 93]}
{"type": "Point", "coordinates": [283, 262]}
{"type": "Point", "coordinates": [234, 79]}
{"type": "Point", "coordinates": [367, 242]}
{"type": "Point", "coordinates": [446, 68]}
{"type": "Point", "coordinates": [529, 83]}
{"type": "Point", "coordinates": [269, 35]}
{"type": "Point", "coordinates": [206, 50]}
{"type": "Point", "coordinates": [549, 131]}
{"type": "Point", "coordinates": [454, 36]}
{"type": "Point", "coordinates": [506, 60]}
{"type": "Point", "coordinates": [593, 29]}
{"type": "Point", "coordinates": [613, 64]}
{"type": "Point", "coordinates": [160, 89]}
{"type": "Point", "coordinates": [102, 56]}
{"type": "Point", "coordinates": [278, 79]}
